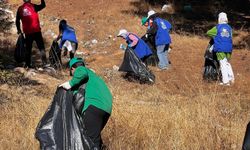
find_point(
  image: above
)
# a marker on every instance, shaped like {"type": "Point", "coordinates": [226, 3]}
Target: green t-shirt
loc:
{"type": "Point", "coordinates": [96, 90]}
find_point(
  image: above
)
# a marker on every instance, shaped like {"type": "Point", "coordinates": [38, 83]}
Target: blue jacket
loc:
{"type": "Point", "coordinates": [223, 40]}
{"type": "Point", "coordinates": [141, 49]}
{"type": "Point", "coordinates": [69, 34]}
{"type": "Point", "coordinates": [162, 35]}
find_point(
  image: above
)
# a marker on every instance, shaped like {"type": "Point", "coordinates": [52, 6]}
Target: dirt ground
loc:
{"type": "Point", "coordinates": [180, 111]}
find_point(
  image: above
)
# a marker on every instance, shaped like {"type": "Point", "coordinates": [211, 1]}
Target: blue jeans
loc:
{"type": "Point", "coordinates": [163, 56]}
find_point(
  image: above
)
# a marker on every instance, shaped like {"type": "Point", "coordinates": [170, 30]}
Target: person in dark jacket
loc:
{"type": "Point", "coordinates": [98, 98]}
{"type": "Point", "coordinates": [68, 38]}
{"type": "Point", "coordinates": [140, 48]}
{"type": "Point", "coordinates": [223, 46]}
{"type": "Point", "coordinates": [160, 30]}
{"type": "Point", "coordinates": [28, 14]}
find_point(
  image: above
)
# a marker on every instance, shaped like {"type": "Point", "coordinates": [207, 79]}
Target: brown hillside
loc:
{"type": "Point", "coordinates": [179, 111]}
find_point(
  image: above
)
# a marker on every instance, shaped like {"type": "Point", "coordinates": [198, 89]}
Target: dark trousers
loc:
{"type": "Point", "coordinates": [246, 144]}
{"type": "Point", "coordinates": [37, 37]}
{"type": "Point", "coordinates": [94, 120]}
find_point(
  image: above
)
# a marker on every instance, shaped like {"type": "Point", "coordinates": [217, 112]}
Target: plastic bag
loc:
{"type": "Point", "coordinates": [20, 49]}
{"type": "Point", "coordinates": [211, 70]}
{"type": "Point", "coordinates": [61, 128]}
{"type": "Point", "coordinates": [136, 68]}
{"type": "Point", "coordinates": [246, 143]}
{"type": "Point", "coordinates": [55, 55]}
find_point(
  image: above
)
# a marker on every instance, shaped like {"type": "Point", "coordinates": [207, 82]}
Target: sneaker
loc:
{"type": "Point", "coordinates": [225, 84]}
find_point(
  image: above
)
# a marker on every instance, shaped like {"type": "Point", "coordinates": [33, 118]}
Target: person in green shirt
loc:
{"type": "Point", "coordinates": [98, 98]}
{"type": "Point", "coordinates": [223, 47]}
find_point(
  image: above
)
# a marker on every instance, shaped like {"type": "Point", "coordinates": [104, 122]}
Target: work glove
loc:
{"type": "Point", "coordinates": [65, 85]}
{"type": "Point", "coordinates": [123, 47]}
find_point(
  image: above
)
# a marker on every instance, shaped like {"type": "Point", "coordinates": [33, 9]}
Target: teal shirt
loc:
{"type": "Point", "coordinates": [96, 90]}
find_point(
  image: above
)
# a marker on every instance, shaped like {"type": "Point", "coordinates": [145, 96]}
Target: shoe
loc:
{"type": "Point", "coordinates": [232, 81]}
{"type": "Point", "coordinates": [46, 65]}
{"type": "Point", "coordinates": [225, 84]}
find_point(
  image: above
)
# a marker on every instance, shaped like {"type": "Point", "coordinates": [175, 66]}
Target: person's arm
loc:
{"type": "Point", "coordinates": [18, 18]}
{"type": "Point", "coordinates": [212, 32]}
{"type": "Point", "coordinates": [40, 7]}
{"type": "Point", "coordinates": [80, 74]}
{"type": "Point", "coordinates": [134, 40]}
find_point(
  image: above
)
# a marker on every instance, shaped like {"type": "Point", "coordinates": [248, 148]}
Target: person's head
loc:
{"type": "Point", "coordinates": [151, 13]}
{"type": "Point", "coordinates": [62, 24]}
{"type": "Point", "coordinates": [222, 18]}
{"type": "Point", "coordinates": [74, 63]}
{"type": "Point", "coordinates": [144, 21]}
{"type": "Point", "coordinates": [122, 33]}
{"type": "Point", "coordinates": [26, 1]}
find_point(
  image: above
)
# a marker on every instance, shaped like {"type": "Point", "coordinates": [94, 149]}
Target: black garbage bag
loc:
{"type": "Point", "coordinates": [55, 55]}
{"type": "Point", "coordinates": [61, 128]}
{"type": "Point", "coordinates": [135, 68]}
{"type": "Point", "coordinates": [152, 59]}
{"type": "Point", "coordinates": [20, 49]}
{"type": "Point", "coordinates": [211, 70]}
{"type": "Point", "coordinates": [246, 143]}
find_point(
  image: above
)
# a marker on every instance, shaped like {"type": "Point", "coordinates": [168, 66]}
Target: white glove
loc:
{"type": "Point", "coordinates": [123, 47]}
{"type": "Point", "coordinates": [146, 35]}
{"type": "Point", "coordinates": [65, 85]}
{"type": "Point", "coordinates": [211, 48]}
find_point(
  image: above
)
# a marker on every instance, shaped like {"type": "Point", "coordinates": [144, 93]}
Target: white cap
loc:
{"type": "Point", "coordinates": [222, 19]}
{"type": "Point", "coordinates": [122, 33]}
{"type": "Point", "coordinates": [150, 13]}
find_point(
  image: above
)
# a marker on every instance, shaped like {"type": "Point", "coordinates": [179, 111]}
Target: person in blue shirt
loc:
{"type": "Point", "coordinates": [160, 30]}
{"type": "Point", "coordinates": [140, 48]}
{"type": "Point", "coordinates": [223, 47]}
{"type": "Point", "coordinates": [68, 41]}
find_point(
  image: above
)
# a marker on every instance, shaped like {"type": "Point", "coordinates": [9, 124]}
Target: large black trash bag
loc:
{"type": "Point", "coordinates": [246, 143]}
{"type": "Point", "coordinates": [20, 49]}
{"type": "Point", "coordinates": [55, 55]}
{"type": "Point", "coordinates": [152, 59]}
{"type": "Point", "coordinates": [61, 128]}
{"type": "Point", "coordinates": [135, 68]}
{"type": "Point", "coordinates": [211, 70]}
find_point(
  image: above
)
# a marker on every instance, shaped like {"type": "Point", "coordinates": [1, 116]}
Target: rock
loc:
{"type": "Point", "coordinates": [30, 73]}
{"type": "Point", "coordinates": [20, 70]}
{"type": "Point", "coordinates": [168, 8]}
{"type": "Point", "coordinates": [94, 41]}
{"type": "Point", "coordinates": [115, 68]}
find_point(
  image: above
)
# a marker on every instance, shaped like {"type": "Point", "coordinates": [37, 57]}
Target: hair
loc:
{"type": "Point", "coordinates": [62, 23]}
{"type": "Point", "coordinates": [78, 64]}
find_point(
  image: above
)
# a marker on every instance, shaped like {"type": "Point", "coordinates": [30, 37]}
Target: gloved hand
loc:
{"type": "Point", "coordinates": [123, 47]}
{"type": "Point", "coordinates": [65, 85]}
{"type": "Point", "coordinates": [211, 48]}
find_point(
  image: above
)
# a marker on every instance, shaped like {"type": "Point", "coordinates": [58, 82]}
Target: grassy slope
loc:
{"type": "Point", "coordinates": [178, 112]}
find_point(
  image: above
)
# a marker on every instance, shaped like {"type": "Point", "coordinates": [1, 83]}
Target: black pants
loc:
{"type": "Point", "coordinates": [94, 120]}
{"type": "Point", "coordinates": [37, 37]}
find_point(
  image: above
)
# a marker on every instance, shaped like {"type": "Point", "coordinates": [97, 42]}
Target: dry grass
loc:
{"type": "Point", "coordinates": [179, 111]}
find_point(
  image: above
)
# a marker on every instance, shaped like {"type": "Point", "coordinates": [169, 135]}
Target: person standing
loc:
{"type": "Point", "coordinates": [98, 98]}
{"type": "Point", "coordinates": [160, 30]}
{"type": "Point", "coordinates": [28, 14]}
{"type": "Point", "coordinates": [223, 46]}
